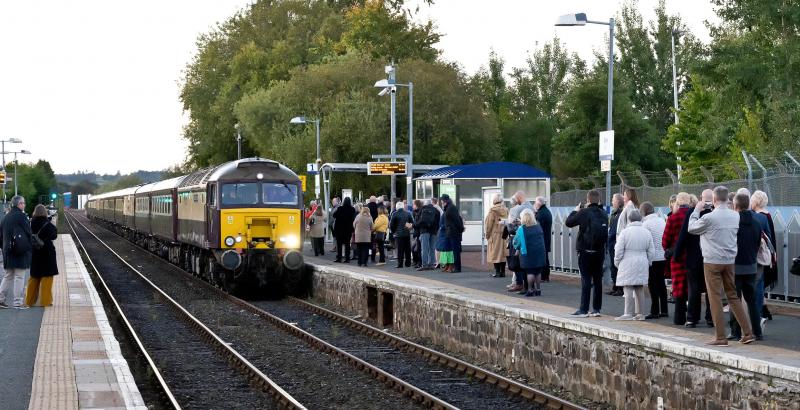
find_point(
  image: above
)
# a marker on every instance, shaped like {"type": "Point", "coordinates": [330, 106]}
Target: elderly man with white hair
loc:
{"type": "Point", "coordinates": [545, 219]}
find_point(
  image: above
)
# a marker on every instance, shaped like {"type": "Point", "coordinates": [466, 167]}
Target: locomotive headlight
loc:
{"type": "Point", "coordinates": [291, 241]}
{"type": "Point", "coordinates": [229, 241]}
{"type": "Point", "coordinates": [238, 238]}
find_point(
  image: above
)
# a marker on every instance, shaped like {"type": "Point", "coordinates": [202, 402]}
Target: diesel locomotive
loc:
{"type": "Point", "coordinates": [238, 225]}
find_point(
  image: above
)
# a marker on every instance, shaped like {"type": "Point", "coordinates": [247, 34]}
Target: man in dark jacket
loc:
{"type": "Point", "coordinates": [17, 251]}
{"type": "Point", "coordinates": [591, 243]}
{"type": "Point", "coordinates": [453, 228]}
{"type": "Point", "coordinates": [748, 240]}
{"type": "Point", "coordinates": [428, 225]}
{"type": "Point", "coordinates": [617, 203]}
{"type": "Point", "coordinates": [545, 220]}
{"type": "Point", "coordinates": [694, 263]}
{"type": "Point", "coordinates": [343, 229]}
{"type": "Point", "coordinates": [399, 225]}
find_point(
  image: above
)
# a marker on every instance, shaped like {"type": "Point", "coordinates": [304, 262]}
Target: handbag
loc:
{"type": "Point", "coordinates": [512, 262]}
{"type": "Point", "coordinates": [795, 269]}
{"type": "Point", "coordinates": [765, 251]}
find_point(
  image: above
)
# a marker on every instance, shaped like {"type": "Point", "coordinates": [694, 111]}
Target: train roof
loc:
{"type": "Point", "coordinates": [161, 185]}
{"type": "Point", "coordinates": [245, 168]}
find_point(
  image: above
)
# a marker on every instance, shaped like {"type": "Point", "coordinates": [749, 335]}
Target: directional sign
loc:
{"type": "Point", "coordinates": [607, 145]}
{"type": "Point", "coordinates": [386, 168]}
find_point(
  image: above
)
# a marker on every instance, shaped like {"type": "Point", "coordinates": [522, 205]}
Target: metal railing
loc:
{"type": "Point", "coordinates": [787, 236]}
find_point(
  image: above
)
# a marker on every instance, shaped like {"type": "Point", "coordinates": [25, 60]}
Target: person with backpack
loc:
{"type": "Point", "coordinates": [17, 251]}
{"type": "Point", "coordinates": [43, 262]}
{"type": "Point", "coordinates": [428, 225]}
{"type": "Point", "coordinates": [592, 223]}
{"type": "Point", "coordinates": [400, 224]}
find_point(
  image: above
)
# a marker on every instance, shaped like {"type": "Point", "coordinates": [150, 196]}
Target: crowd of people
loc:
{"type": "Point", "coordinates": [721, 244]}
{"type": "Point", "coordinates": [27, 250]}
{"type": "Point", "coordinates": [425, 234]}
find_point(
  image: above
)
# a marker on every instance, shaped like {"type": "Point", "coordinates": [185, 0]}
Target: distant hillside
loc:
{"type": "Point", "coordinates": [102, 179]}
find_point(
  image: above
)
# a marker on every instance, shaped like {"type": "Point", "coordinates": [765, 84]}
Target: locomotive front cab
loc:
{"type": "Point", "coordinates": [261, 225]}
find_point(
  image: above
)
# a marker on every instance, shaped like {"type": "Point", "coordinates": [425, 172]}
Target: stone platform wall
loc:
{"type": "Point", "coordinates": [620, 369]}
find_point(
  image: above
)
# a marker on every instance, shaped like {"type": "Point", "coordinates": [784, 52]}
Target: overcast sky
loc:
{"type": "Point", "coordinates": [93, 85]}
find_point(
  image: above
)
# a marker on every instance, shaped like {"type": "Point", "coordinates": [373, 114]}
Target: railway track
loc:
{"type": "Point", "coordinates": [448, 383]}
{"type": "Point", "coordinates": [139, 303]}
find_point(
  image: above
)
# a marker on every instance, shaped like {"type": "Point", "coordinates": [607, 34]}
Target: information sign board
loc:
{"type": "Point", "coordinates": [386, 168]}
{"type": "Point", "coordinates": [606, 145]}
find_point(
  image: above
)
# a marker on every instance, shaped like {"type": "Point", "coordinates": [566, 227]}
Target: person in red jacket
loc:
{"type": "Point", "coordinates": [677, 263]}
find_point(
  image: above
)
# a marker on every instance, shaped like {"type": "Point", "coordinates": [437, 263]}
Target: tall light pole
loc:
{"type": "Point", "coordinates": [318, 160]}
{"type": "Point", "coordinates": [238, 140]}
{"type": "Point", "coordinates": [675, 32]}
{"type": "Point", "coordinates": [410, 163]}
{"type": "Point", "coordinates": [3, 148]}
{"type": "Point", "coordinates": [579, 19]}
{"type": "Point", "coordinates": [388, 87]}
{"type": "Point", "coordinates": [16, 165]}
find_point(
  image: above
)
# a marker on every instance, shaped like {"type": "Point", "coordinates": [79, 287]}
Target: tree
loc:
{"type": "Point", "coordinates": [449, 126]}
{"type": "Point", "coordinates": [126, 181]}
{"type": "Point", "coordinates": [262, 45]}
{"type": "Point", "coordinates": [34, 182]}
{"type": "Point", "coordinates": [575, 148]}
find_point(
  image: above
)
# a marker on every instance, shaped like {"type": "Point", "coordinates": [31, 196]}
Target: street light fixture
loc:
{"type": "Point", "coordinates": [318, 160]}
{"type": "Point", "coordinates": [390, 86]}
{"type": "Point", "coordinates": [238, 129]}
{"type": "Point", "coordinates": [16, 165]}
{"type": "Point", "coordinates": [675, 33]}
{"type": "Point", "coordinates": [3, 165]}
{"type": "Point", "coordinates": [580, 19]}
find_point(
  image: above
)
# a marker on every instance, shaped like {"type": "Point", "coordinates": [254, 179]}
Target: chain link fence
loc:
{"type": "Point", "coordinates": [781, 182]}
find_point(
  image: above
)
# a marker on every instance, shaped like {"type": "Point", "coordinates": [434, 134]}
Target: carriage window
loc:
{"type": "Point", "coordinates": [240, 194]}
{"type": "Point", "coordinates": [278, 193]}
{"type": "Point", "coordinates": [213, 193]}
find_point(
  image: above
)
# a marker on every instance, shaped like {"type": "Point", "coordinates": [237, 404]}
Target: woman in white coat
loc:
{"type": "Point", "coordinates": [632, 255]}
{"type": "Point", "coordinates": [631, 204]}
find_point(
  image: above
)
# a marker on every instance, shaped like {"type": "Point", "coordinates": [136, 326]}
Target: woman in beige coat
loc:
{"type": "Point", "coordinates": [363, 235]}
{"type": "Point", "coordinates": [496, 253]}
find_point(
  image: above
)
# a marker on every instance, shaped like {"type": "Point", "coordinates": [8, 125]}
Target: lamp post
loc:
{"type": "Point", "coordinates": [238, 129]}
{"type": "Point", "coordinates": [390, 86]}
{"type": "Point", "coordinates": [580, 19]}
{"type": "Point", "coordinates": [16, 165]}
{"type": "Point", "coordinates": [3, 148]}
{"type": "Point", "coordinates": [675, 32]}
{"type": "Point", "coordinates": [318, 160]}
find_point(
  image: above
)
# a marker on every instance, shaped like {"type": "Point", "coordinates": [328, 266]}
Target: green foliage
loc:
{"type": "Point", "coordinates": [375, 29]}
{"type": "Point", "coordinates": [576, 146]}
{"type": "Point", "coordinates": [448, 126]}
{"type": "Point", "coordinates": [35, 182]}
{"type": "Point", "coordinates": [123, 182]}
{"type": "Point", "coordinates": [261, 46]}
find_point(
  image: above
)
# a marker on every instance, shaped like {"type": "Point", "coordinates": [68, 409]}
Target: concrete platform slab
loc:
{"type": "Point", "coordinates": [65, 355]}
{"type": "Point", "coordinates": [471, 313]}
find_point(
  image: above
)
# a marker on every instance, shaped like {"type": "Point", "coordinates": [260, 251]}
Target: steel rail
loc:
{"type": "Point", "coordinates": [415, 393]}
{"type": "Point", "coordinates": [504, 383]}
{"type": "Point", "coordinates": [284, 399]}
{"type": "Point", "coordinates": [128, 326]}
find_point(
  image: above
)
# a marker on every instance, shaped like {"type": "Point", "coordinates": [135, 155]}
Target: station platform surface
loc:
{"type": "Point", "coordinates": [64, 356]}
{"type": "Point", "coordinates": [777, 355]}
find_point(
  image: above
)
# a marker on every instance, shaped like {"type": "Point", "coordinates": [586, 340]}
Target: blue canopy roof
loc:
{"type": "Point", "coordinates": [487, 170]}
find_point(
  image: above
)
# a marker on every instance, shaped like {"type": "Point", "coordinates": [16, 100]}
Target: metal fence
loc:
{"type": "Point", "coordinates": [781, 182]}
{"type": "Point", "coordinates": [787, 235]}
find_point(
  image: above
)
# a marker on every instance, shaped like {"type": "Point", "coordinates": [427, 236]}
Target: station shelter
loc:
{"type": "Point", "coordinates": [471, 187]}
